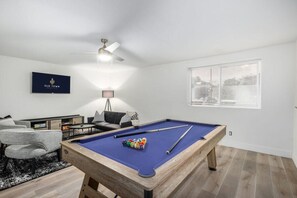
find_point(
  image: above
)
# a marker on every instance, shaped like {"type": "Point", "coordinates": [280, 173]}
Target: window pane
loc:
{"type": "Point", "coordinates": [240, 85]}
{"type": "Point", "coordinates": [228, 85]}
{"type": "Point", "coordinates": [205, 85]}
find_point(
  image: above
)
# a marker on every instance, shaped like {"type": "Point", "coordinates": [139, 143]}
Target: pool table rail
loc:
{"type": "Point", "coordinates": [101, 169]}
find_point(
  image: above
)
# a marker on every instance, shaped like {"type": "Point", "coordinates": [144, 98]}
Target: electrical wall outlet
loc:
{"type": "Point", "coordinates": [230, 133]}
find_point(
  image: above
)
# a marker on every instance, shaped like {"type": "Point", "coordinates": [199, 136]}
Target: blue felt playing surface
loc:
{"type": "Point", "coordinates": [154, 154]}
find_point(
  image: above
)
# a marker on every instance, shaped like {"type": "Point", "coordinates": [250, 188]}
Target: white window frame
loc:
{"type": "Point", "coordinates": [224, 65]}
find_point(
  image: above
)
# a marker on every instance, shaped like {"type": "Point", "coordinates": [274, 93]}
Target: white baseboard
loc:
{"type": "Point", "coordinates": [256, 148]}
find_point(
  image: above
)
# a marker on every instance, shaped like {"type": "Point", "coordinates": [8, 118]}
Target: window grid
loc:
{"type": "Point", "coordinates": [219, 102]}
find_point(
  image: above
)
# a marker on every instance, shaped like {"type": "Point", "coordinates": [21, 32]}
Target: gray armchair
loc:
{"type": "Point", "coordinates": [29, 144]}
{"type": "Point", "coordinates": [18, 125]}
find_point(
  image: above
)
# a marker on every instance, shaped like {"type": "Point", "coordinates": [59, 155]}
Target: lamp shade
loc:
{"type": "Point", "coordinates": [107, 93]}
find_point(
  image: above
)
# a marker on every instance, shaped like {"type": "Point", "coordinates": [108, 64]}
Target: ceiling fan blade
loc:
{"type": "Point", "coordinates": [112, 47]}
{"type": "Point", "coordinates": [115, 57]}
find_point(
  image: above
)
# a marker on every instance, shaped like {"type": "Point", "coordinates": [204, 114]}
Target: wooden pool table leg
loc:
{"type": "Point", "coordinates": [148, 194]}
{"type": "Point", "coordinates": [212, 160]}
{"type": "Point", "coordinates": [89, 188]}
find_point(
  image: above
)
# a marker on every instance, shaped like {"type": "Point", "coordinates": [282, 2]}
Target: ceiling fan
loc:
{"type": "Point", "coordinates": [105, 53]}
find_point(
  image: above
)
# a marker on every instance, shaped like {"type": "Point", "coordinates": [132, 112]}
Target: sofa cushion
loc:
{"type": "Point", "coordinates": [125, 118]}
{"type": "Point", "coordinates": [113, 117]}
{"type": "Point", "coordinates": [98, 117]}
{"type": "Point", "coordinates": [113, 126]}
{"type": "Point", "coordinates": [106, 126]}
{"type": "Point", "coordinates": [126, 124]}
{"type": "Point", "coordinates": [101, 123]}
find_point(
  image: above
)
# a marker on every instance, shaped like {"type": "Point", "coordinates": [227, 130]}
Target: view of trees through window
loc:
{"type": "Point", "coordinates": [236, 84]}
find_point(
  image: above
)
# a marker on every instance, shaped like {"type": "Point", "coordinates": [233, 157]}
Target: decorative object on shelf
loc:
{"type": "Point", "coordinates": [107, 94]}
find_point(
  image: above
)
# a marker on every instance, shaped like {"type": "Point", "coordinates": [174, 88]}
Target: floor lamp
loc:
{"type": "Point", "coordinates": [107, 94]}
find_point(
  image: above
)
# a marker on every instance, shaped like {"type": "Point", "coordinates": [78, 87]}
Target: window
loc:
{"type": "Point", "coordinates": [227, 85]}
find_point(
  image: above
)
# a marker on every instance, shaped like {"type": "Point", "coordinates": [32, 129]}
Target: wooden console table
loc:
{"type": "Point", "coordinates": [56, 123]}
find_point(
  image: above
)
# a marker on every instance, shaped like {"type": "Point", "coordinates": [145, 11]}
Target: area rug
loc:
{"type": "Point", "coordinates": [21, 172]}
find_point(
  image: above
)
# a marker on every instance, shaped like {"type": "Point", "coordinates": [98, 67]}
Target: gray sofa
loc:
{"type": "Point", "coordinates": [111, 121]}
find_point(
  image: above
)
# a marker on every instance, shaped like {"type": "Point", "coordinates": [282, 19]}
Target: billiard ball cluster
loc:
{"type": "Point", "coordinates": [135, 143]}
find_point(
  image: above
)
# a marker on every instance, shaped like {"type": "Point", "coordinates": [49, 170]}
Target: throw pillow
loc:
{"type": "Point", "coordinates": [135, 122]}
{"type": "Point", "coordinates": [133, 115]}
{"type": "Point", "coordinates": [98, 117]}
{"type": "Point", "coordinates": [8, 116]}
{"type": "Point", "coordinates": [125, 118]}
{"type": "Point", "coordinates": [7, 122]}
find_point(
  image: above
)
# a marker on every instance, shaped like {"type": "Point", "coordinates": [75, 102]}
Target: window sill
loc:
{"type": "Point", "coordinates": [225, 106]}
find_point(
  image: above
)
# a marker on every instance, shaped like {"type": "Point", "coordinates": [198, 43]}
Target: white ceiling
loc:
{"type": "Point", "coordinates": [150, 31]}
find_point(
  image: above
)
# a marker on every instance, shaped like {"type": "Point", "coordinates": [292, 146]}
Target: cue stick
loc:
{"type": "Point", "coordinates": [149, 131]}
{"type": "Point", "coordinates": [179, 139]}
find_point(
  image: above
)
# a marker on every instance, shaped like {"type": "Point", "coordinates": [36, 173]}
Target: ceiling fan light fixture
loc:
{"type": "Point", "coordinates": [104, 55]}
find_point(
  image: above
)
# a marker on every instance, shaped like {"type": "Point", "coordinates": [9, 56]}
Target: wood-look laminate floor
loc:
{"type": "Point", "coordinates": [239, 174]}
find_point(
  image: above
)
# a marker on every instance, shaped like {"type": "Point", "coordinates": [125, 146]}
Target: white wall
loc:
{"type": "Point", "coordinates": [161, 92]}
{"type": "Point", "coordinates": [295, 116]}
{"type": "Point", "coordinates": [17, 100]}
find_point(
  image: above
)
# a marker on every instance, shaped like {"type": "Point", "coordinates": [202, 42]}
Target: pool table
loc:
{"type": "Point", "coordinates": [150, 172]}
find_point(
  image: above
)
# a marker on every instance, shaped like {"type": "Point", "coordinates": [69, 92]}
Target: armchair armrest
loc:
{"type": "Point", "coordinates": [12, 126]}
{"type": "Point", "coordinates": [17, 136]}
{"type": "Point", "coordinates": [20, 122]}
{"type": "Point", "coordinates": [48, 139]}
